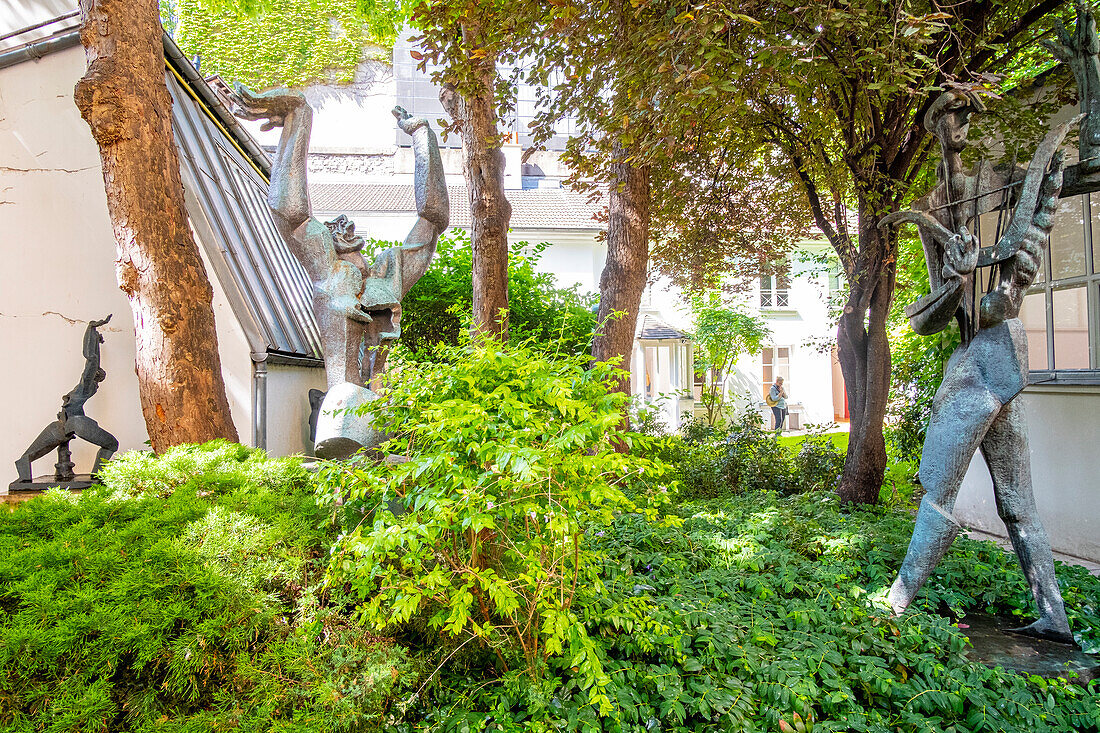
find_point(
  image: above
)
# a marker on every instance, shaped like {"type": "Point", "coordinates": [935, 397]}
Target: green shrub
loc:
{"type": "Point", "coordinates": [717, 462]}
{"type": "Point", "coordinates": [437, 309]}
{"type": "Point", "coordinates": [485, 531]}
{"type": "Point", "coordinates": [181, 596]}
{"type": "Point", "coordinates": [818, 463]}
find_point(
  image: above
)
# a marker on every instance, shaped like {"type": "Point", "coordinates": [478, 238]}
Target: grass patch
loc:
{"type": "Point", "coordinates": [839, 440]}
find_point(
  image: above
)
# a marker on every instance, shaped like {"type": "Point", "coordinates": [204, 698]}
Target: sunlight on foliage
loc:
{"type": "Point", "coordinates": [486, 528]}
{"type": "Point", "coordinates": [290, 43]}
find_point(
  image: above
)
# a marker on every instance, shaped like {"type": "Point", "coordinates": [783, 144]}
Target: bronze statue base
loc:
{"type": "Point", "coordinates": [994, 645]}
{"type": "Point", "coordinates": [42, 483]}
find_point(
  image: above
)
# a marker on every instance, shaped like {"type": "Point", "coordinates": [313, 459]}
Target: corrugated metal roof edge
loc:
{"type": "Point", "coordinates": [194, 83]}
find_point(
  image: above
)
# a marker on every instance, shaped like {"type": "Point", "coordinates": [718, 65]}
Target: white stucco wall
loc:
{"type": "Point", "coordinates": [288, 407]}
{"type": "Point", "coordinates": [804, 326]}
{"type": "Point", "coordinates": [1064, 440]}
{"type": "Point", "coordinates": [233, 347]}
{"type": "Point", "coordinates": [58, 252]}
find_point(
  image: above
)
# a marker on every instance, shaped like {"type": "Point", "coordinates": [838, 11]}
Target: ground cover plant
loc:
{"type": "Point", "coordinates": [507, 572]}
{"type": "Point", "coordinates": [737, 613]}
{"type": "Point", "coordinates": [761, 606]}
{"type": "Point", "coordinates": [182, 596]}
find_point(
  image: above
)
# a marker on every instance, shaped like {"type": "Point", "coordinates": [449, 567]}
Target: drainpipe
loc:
{"type": "Point", "coordinates": [259, 399]}
{"type": "Point", "coordinates": [37, 49]}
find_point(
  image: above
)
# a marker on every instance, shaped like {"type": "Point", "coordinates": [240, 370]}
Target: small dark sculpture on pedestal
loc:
{"type": "Point", "coordinates": [71, 423]}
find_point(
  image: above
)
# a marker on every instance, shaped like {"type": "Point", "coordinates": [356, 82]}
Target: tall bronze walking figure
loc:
{"type": "Point", "coordinates": [976, 406]}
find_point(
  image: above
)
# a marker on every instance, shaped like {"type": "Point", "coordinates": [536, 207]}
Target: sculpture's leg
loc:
{"type": "Point", "coordinates": [51, 436]}
{"type": "Point", "coordinates": [1006, 453]}
{"type": "Point", "coordinates": [85, 427]}
{"type": "Point", "coordinates": [961, 415]}
{"type": "Point", "coordinates": [933, 534]}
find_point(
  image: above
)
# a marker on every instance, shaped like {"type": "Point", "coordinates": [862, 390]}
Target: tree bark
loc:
{"type": "Point", "coordinates": [624, 273]}
{"type": "Point", "coordinates": [124, 99]}
{"type": "Point", "coordinates": [864, 354]}
{"type": "Point", "coordinates": [475, 117]}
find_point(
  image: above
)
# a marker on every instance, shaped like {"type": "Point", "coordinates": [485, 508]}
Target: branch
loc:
{"type": "Point", "coordinates": [1025, 21]}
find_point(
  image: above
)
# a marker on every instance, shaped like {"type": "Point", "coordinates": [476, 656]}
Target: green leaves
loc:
{"type": "Point", "coordinates": [438, 307]}
{"type": "Point", "coordinates": [484, 530]}
{"type": "Point", "coordinates": [181, 597]}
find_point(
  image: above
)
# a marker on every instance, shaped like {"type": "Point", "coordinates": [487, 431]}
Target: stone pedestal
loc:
{"type": "Point", "coordinates": [42, 483]}
{"type": "Point", "coordinates": [341, 430]}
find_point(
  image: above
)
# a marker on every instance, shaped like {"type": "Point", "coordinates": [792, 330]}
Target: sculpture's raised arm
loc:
{"type": "Point", "coordinates": [432, 205]}
{"type": "Point", "coordinates": [288, 192]}
{"type": "Point", "coordinates": [92, 339]}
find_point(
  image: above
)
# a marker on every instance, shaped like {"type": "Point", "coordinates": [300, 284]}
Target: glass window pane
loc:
{"type": "Point", "coordinates": [1033, 313]}
{"type": "Point", "coordinates": [1067, 239]}
{"type": "Point", "coordinates": [1071, 329]}
{"type": "Point", "coordinates": [987, 226]}
{"type": "Point", "coordinates": [784, 352]}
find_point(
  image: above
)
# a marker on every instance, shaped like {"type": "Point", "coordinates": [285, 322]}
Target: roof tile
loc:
{"type": "Point", "coordinates": [535, 208]}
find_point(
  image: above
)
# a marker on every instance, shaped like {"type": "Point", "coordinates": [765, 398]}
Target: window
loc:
{"type": "Point", "coordinates": [775, 291]}
{"type": "Point", "coordinates": [1061, 312]}
{"type": "Point", "coordinates": [777, 363]}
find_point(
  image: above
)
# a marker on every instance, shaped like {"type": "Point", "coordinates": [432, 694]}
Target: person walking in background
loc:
{"type": "Point", "coordinates": [777, 400]}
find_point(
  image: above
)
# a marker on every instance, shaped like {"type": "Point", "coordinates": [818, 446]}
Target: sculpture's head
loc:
{"type": "Point", "coordinates": [343, 235]}
{"type": "Point", "coordinates": [949, 117]}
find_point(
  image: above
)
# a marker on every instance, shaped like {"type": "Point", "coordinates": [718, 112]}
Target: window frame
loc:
{"type": "Point", "coordinates": [775, 298]}
{"type": "Point", "coordinates": [1091, 282]}
{"type": "Point", "coordinates": [774, 353]}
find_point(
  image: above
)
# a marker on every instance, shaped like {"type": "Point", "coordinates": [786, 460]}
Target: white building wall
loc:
{"type": "Point", "coordinates": [1064, 437]}
{"type": "Point", "coordinates": [59, 266]}
{"type": "Point", "coordinates": [235, 355]}
{"type": "Point", "coordinates": [806, 328]}
{"type": "Point", "coordinates": [288, 407]}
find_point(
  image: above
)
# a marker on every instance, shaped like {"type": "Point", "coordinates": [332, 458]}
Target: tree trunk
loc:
{"type": "Point", "coordinates": [125, 101]}
{"type": "Point", "coordinates": [475, 117]}
{"type": "Point", "coordinates": [624, 274]}
{"type": "Point", "coordinates": [864, 354]}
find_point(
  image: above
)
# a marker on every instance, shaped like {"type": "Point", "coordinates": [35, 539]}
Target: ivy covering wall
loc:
{"type": "Point", "coordinates": [290, 43]}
